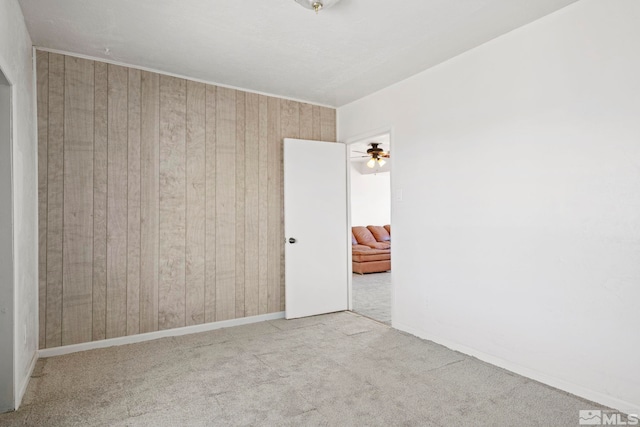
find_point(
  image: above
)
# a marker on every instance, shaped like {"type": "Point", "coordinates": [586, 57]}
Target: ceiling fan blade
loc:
{"type": "Point", "coordinates": [363, 152]}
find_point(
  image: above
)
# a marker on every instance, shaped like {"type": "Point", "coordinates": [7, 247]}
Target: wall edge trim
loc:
{"type": "Point", "coordinates": [549, 380]}
{"type": "Point", "coordinates": [132, 339]}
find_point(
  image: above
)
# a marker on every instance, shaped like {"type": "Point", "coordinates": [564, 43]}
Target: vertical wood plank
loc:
{"type": "Point", "coordinates": [252, 206]}
{"type": "Point", "coordinates": [289, 128]}
{"type": "Point", "coordinates": [240, 204]}
{"type": "Point", "coordinates": [225, 203]}
{"type": "Point", "coordinates": [316, 124]}
{"type": "Point", "coordinates": [289, 119]}
{"type": "Point", "coordinates": [42, 76]}
{"type": "Point", "coordinates": [327, 124]}
{"type": "Point", "coordinates": [172, 250]}
{"type": "Point", "coordinates": [117, 189]}
{"type": "Point", "coordinates": [294, 118]}
{"type": "Point", "coordinates": [55, 189]}
{"type": "Point", "coordinates": [100, 141]}
{"type": "Point", "coordinates": [149, 199]}
{"type": "Point", "coordinates": [275, 238]}
{"type": "Point", "coordinates": [133, 204]}
{"type": "Point", "coordinates": [263, 205]}
{"type": "Point", "coordinates": [306, 121]}
{"type": "Point", "coordinates": [196, 180]}
{"type": "Point", "coordinates": [78, 202]}
{"type": "Point", "coordinates": [210, 215]}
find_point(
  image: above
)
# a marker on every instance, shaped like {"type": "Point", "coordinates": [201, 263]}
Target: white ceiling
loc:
{"type": "Point", "coordinates": [276, 46]}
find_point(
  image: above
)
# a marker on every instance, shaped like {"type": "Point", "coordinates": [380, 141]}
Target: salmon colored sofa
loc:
{"type": "Point", "coordinates": [371, 249]}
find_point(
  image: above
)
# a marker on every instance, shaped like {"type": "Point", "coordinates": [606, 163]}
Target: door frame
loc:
{"type": "Point", "coordinates": [7, 273]}
{"type": "Point", "coordinates": [348, 142]}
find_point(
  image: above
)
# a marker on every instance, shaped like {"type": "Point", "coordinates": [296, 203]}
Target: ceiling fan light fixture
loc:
{"type": "Point", "coordinates": [376, 155]}
{"type": "Point", "coordinates": [316, 5]}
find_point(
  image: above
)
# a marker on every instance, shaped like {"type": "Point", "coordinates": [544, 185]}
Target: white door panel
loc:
{"type": "Point", "coordinates": [315, 212]}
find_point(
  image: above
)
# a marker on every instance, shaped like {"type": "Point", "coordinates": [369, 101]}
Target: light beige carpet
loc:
{"type": "Point", "coordinates": [335, 370]}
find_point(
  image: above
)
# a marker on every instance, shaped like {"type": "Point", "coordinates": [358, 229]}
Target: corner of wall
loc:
{"type": "Point", "coordinates": [24, 382]}
{"type": "Point", "coordinates": [550, 380]}
{"type": "Point", "coordinates": [16, 51]}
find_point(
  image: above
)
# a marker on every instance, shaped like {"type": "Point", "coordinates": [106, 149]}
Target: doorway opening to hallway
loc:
{"type": "Point", "coordinates": [370, 218]}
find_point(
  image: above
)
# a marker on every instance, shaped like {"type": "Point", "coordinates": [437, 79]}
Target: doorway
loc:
{"type": "Point", "coordinates": [370, 221]}
{"type": "Point", "coordinates": [7, 402]}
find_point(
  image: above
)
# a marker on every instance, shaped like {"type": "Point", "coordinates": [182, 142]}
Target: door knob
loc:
{"type": "Point", "coordinates": [292, 240]}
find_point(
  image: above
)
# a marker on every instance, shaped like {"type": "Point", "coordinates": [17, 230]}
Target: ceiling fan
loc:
{"type": "Point", "coordinates": [376, 154]}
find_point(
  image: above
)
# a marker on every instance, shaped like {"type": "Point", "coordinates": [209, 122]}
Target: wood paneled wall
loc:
{"type": "Point", "coordinates": [161, 199]}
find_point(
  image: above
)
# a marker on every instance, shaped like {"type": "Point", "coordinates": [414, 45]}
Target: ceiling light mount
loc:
{"type": "Point", "coordinates": [374, 150]}
{"type": "Point", "coordinates": [316, 5]}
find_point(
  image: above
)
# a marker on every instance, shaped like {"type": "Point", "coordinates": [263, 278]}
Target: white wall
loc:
{"type": "Point", "coordinates": [370, 198]}
{"type": "Point", "coordinates": [518, 235]}
{"type": "Point", "coordinates": [16, 63]}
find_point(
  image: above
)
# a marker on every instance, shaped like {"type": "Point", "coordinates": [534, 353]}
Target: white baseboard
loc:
{"type": "Point", "coordinates": [24, 382]}
{"type": "Point", "coordinates": [131, 339]}
{"type": "Point", "coordinates": [585, 393]}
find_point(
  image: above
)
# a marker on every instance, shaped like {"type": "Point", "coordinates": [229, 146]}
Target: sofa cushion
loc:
{"type": "Point", "coordinates": [379, 245]}
{"type": "Point", "coordinates": [372, 255]}
{"type": "Point", "coordinates": [379, 233]}
{"type": "Point", "coordinates": [353, 239]}
{"type": "Point", "coordinates": [363, 235]}
{"type": "Point", "coordinates": [361, 248]}
{"type": "Point", "coordinates": [388, 228]}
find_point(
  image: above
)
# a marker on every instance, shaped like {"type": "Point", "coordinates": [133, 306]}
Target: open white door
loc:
{"type": "Point", "coordinates": [315, 226]}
